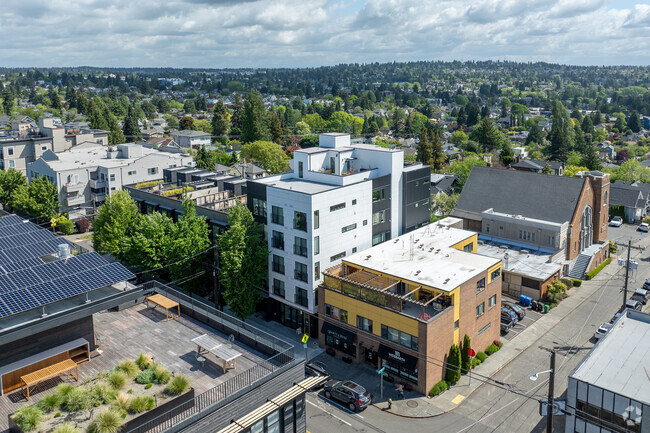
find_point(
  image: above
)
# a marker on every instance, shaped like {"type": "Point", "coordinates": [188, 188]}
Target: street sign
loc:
{"type": "Point", "coordinates": [382, 372]}
{"type": "Point", "coordinates": [305, 338]}
{"type": "Point", "coordinates": [471, 352]}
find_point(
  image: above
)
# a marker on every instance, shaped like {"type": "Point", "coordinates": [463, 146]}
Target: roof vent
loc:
{"type": "Point", "coordinates": [446, 280]}
{"type": "Point", "coordinates": [417, 240]}
{"type": "Point", "coordinates": [525, 252]}
{"type": "Point", "coordinates": [63, 252]}
{"type": "Point", "coordinates": [368, 257]}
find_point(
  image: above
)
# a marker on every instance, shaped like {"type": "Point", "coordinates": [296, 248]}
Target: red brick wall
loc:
{"type": "Point", "coordinates": [438, 336]}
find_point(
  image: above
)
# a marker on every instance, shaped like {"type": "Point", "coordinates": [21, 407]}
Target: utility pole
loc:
{"type": "Point", "coordinates": [551, 385]}
{"type": "Point", "coordinates": [627, 272]}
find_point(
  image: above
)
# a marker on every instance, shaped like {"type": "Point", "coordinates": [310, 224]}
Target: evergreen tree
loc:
{"type": "Point", "coordinates": [453, 365]}
{"type": "Point", "coordinates": [534, 135]}
{"type": "Point", "coordinates": [488, 135]}
{"type": "Point", "coordinates": [254, 120]}
{"type": "Point", "coordinates": [186, 123]}
{"type": "Point", "coordinates": [596, 118]}
{"type": "Point", "coordinates": [275, 127]}
{"type": "Point", "coordinates": [579, 140]}
{"type": "Point", "coordinates": [547, 169]}
{"type": "Point", "coordinates": [244, 257]}
{"type": "Point", "coordinates": [590, 157]}
{"type": "Point", "coordinates": [461, 119]}
{"type": "Point", "coordinates": [587, 125]}
{"type": "Point", "coordinates": [131, 129]}
{"type": "Point", "coordinates": [115, 134]}
{"type": "Point", "coordinates": [562, 132]}
{"type": "Point", "coordinates": [238, 111]}
{"type": "Point", "coordinates": [55, 100]}
{"type": "Point", "coordinates": [635, 122]}
{"type": "Point", "coordinates": [438, 156]}
{"type": "Point", "coordinates": [465, 358]}
{"type": "Point", "coordinates": [423, 150]}
{"type": "Point", "coordinates": [485, 111]}
{"type": "Point", "coordinates": [8, 101]}
{"type": "Point", "coordinates": [96, 119]}
{"type": "Point", "coordinates": [220, 122]}
{"type": "Point", "coordinates": [473, 113]}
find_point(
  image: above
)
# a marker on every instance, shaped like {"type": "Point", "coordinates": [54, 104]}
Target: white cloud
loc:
{"type": "Point", "coordinates": [233, 33]}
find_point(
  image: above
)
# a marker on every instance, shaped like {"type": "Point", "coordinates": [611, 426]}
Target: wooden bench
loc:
{"type": "Point", "coordinates": [166, 303]}
{"type": "Point", "coordinates": [46, 373]}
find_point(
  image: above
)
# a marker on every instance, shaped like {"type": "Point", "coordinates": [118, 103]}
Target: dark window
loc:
{"type": "Point", "coordinates": [277, 240]}
{"type": "Point", "coordinates": [300, 272]}
{"type": "Point", "coordinates": [317, 271]}
{"type": "Point", "coordinates": [277, 215]}
{"type": "Point", "coordinates": [337, 207]}
{"type": "Point", "coordinates": [480, 285]}
{"type": "Point", "coordinates": [364, 324]}
{"type": "Point", "coordinates": [300, 246]}
{"type": "Point", "coordinates": [316, 219]}
{"type": "Point", "coordinates": [300, 169]}
{"type": "Point", "coordinates": [348, 228]}
{"type": "Point", "coordinates": [354, 202]}
{"type": "Point", "coordinates": [378, 238]}
{"type": "Point", "coordinates": [397, 336]}
{"type": "Point", "coordinates": [278, 264]}
{"type": "Point", "coordinates": [300, 221]}
{"type": "Point", "coordinates": [259, 207]}
{"type": "Point", "coordinates": [336, 313]}
{"type": "Point", "coordinates": [469, 247]}
{"type": "Point", "coordinates": [300, 297]}
{"type": "Point", "coordinates": [317, 245]}
{"type": "Point", "coordinates": [529, 282]}
{"type": "Point", "coordinates": [495, 274]}
{"type": "Point", "coordinates": [378, 194]}
{"type": "Point", "coordinates": [278, 287]}
{"type": "Point", "coordinates": [480, 309]}
{"type": "Point", "coordinates": [337, 256]}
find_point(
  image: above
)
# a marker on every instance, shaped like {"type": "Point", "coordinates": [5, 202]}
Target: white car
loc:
{"type": "Point", "coordinates": [617, 221]}
{"type": "Point", "coordinates": [644, 227]}
{"type": "Point", "coordinates": [604, 329]}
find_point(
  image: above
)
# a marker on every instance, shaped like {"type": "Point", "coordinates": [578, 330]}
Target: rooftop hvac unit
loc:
{"type": "Point", "coordinates": [63, 251]}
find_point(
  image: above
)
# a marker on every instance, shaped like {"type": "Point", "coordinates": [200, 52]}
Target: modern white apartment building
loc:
{"type": "Point", "coordinates": [85, 174]}
{"type": "Point", "coordinates": [191, 139]}
{"type": "Point", "coordinates": [340, 199]}
{"type": "Point", "coordinates": [26, 144]}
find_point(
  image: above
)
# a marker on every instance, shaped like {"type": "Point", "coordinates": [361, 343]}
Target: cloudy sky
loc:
{"type": "Point", "coordinates": [294, 33]}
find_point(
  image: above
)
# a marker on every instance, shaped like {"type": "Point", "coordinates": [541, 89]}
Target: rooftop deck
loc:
{"type": "Point", "coordinates": [124, 334]}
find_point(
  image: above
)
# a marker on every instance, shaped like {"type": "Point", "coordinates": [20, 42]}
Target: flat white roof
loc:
{"type": "Point", "coordinates": [303, 186]}
{"type": "Point", "coordinates": [521, 260]}
{"type": "Point", "coordinates": [425, 256]}
{"type": "Point", "coordinates": [617, 362]}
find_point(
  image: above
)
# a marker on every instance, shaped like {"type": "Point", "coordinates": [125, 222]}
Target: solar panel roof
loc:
{"type": "Point", "coordinates": [28, 282]}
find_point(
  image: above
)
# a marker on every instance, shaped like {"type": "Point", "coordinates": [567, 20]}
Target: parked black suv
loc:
{"type": "Point", "coordinates": [520, 312]}
{"type": "Point", "coordinates": [354, 396]}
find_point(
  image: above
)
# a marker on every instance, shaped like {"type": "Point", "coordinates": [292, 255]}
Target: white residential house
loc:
{"type": "Point", "coordinates": [191, 139]}
{"type": "Point", "coordinates": [339, 199]}
{"type": "Point", "coordinates": [85, 174]}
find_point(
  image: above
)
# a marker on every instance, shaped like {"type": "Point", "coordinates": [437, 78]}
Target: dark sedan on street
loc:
{"type": "Point", "coordinates": [353, 396]}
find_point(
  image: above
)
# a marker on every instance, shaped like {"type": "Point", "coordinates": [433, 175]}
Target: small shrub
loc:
{"type": "Point", "coordinates": [141, 404]}
{"type": "Point", "coordinates": [28, 418]}
{"type": "Point", "coordinates": [178, 385]}
{"type": "Point", "coordinates": [438, 388]}
{"type": "Point", "coordinates": [82, 225]}
{"type": "Point", "coordinates": [144, 360]}
{"type": "Point", "coordinates": [492, 348]}
{"type": "Point", "coordinates": [613, 248]}
{"type": "Point", "coordinates": [103, 393]}
{"type": "Point", "coordinates": [63, 389]}
{"type": "Point", "coordinates": [481, 356]}
{"type": "Point", "coordinates": [130, 391]}
{"type": "Point", "coordinates": [576, 283]}
{"type": "Point", "coordinates": [146, 376]}
{"type": "Point", "coordinates": [162, 375]}
{"type": "Point", "coordinates": [108, 421]}
{"type": "Point", "coordinates": [498, 343]}
{"type": "Point", "coordinates": [65, 226]}
{"type": "Point", "coordinates": [57, 415]}
{"type": "Point", "coordinates": [129, 367]}
{"type": "Point", "coordinates": [78, 399]}
{"type": "Point", "coordinates": [66, 428]}
{"type": "Point", "coordinates": [117, 379]}
{"type": "Point", "coordinates": [476, 362]}
{"type": "Point", "coordinates": [123, 401]}
{"type": "Point", "coordinates": [147, 386]}
{"type": "Point", "coordinates": [49, 403]}
{"type": "Point", "coordinates": [566, 282]}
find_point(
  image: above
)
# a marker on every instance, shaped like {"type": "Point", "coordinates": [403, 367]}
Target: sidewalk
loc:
{"type": "Point", "coordinates": [425, 407]}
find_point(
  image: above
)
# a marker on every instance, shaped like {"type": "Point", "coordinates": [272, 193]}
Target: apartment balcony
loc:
{"type": "Point", "coordinates": [383, 291]}
{"type": "Point", "coordinates": [75, 200]}
{"type": "Point", "coordinates": [97, 184]}
{"type": "Point", "coordinates": [70, 187]}
{"type": "Point", "coordinates": [98, 197]}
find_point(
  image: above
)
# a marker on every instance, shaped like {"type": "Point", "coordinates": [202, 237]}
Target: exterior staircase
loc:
{"type": "Point", "coordinates": [580, 266]}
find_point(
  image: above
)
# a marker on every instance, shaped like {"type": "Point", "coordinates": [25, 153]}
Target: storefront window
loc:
{"type": "Point", "coordinates": [336, 313]}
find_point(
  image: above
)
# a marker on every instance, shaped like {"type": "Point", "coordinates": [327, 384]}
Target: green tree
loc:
{"type": "Point", "coordinates": [189, 106]}
{"type": "Point", "coordinates": [562, 132]}
{"type": "Point", "coordinates": [587, 125]}
{"type": "Point", "coordinates": [55, 100]}
{"type": "Point", "coordinates": [423, 150]}
{"type": "Point", "coordinates": [237, 113]}
{"type": "Point", "coordinates": [254, 119]}
{"type": "Point", "coordinates": [113, 222]}
{"type": "Point", "coordinates": [620, 125]}
{"type": "Point", "coordinates": [453, 365]}
{"type": "Point", "coordinates": [462, 168]}
{"type": "Point", "coordinates": [186, 123]}
{"type": "Point", "coordinates": [590, 157]}
{"type": "Point", "coordinates": [131, 129]}
{"type": "Point", "coordinates": [465, 359]}
{"type": "Point", "coordinates": [302, 129]}
{"type": "Point", "coordinates": [8, 101]}
{"type": "Point", "coordinates": [315, 122]}
{"type": "Point", "coordinates": [635, 122]}
{"type": "Point", "coordinates": [572, 170]}
{"type": "Point", "coordinates": [438, 156]}
{"type": "Point", "coordinates": [488, 135]}
{"type": "Point", "coordinates": [269, 155]}
{"type": "Point", "coordinates": [574, 158]}
{"type": "Point", "coordinates": [95, 113]}
{"type": "Point", "coordinates": [149, 242]}
{"type": "Point", "coordinates": [149, 109]}
{"type": "Point", "coordinates": [244, 257]}
{"type": "Point", "coordinates": [40, 199]}
{"type": "Point", "coordinates": [534, 135]}
{"type": "Point", "coordinates": [220, 120]}
{"type": "Point", "coordinates": [442, 204]}
{"type": "Point", "coordinates": [547, 169]}
{"type": "Point", "coordinates": [275, 127]}
{"type": "Point", "coordinates": [115, 134]}
{"type": "Point", "coordinates": [459, 138]}
{"type": "Point", "coordinates": [10, 180]}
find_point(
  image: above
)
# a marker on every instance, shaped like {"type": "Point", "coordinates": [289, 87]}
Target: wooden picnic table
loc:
{"type": "Point", "coordinates": [46, 373]}
{"type": "Point", "coordinates": [166, 303]}
{"type": "Point", "coordinates": [226, 355]}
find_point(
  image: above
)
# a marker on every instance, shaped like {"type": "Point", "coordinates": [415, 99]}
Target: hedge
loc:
{"type": "Point", "coordinates": [595, 272]}
{"type": "Point", "coordinates": [438, 388]}
{"type": "Point", "coordinates": [576, 283]}
{"type": "Point", "coordinates": [149, 183]}
{"type": "Point", "coordinates": [177, 191]}
{"type": "Point", "coordinates": [476, 361]}
{"type": "Point", "coordinates": [492, 348]}
{"type": "Point", "coordinates": [481, 356]}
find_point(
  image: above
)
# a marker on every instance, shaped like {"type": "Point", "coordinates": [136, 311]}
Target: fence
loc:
{"type": "Point", "coordinates": [187, 412]}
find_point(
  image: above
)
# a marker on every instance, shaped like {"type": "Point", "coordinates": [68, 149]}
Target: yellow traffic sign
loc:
{"type": "Point", "coordinates": [305, 338]}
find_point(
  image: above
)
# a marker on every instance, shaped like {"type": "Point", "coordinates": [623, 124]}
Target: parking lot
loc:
{"type": "Point", "coordinates": [621, 235]}
{"type": "Point", "coordinates": [530, 318]}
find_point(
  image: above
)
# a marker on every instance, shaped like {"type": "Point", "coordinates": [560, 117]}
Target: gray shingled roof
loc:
{"type": "Point", "coordinates": [533, 195]}
{"type": "Point", "coordinates": [628, 194]}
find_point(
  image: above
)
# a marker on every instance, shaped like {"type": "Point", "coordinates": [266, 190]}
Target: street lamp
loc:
{"type": "Point", "coordinates": [551, 385]}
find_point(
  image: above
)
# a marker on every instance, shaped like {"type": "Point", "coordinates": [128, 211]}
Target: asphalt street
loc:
{"type": "Point", "coordinates": [514, 407]}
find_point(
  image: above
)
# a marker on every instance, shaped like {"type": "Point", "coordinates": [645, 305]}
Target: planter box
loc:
{"type": "Point", "coordinates": [163, 412]}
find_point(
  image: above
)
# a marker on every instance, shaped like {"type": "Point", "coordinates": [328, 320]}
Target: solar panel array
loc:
{"type": "Point", "coordinates": [28, 282]}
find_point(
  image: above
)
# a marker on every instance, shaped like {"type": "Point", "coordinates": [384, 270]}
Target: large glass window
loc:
{"type": "Point", "coordinates": [480, 309]}
{"type": "Point", "coordinates": [316, 219]}
{"type": "Point", "coordinates": [317, 271]}
{"type": "Point", "coordinates": [378, 194]}
{"type": "Point", "coordinates": [300, 272]}
{"type": "Point", "coordinates": [480, 285]}
{"type": "Point", "coordinates": [277, 240]}
{"type": "Point", "coordinates": [259, 207]}
{"type": "Point", "coordinates": [397, 336]}
{"type": "Point", "coordinates": [495, 274]}
{"type": "Point", "coordinates": [348, 228]}
{"type": "Point", "coordinates": [300, 246]}
{"type": "Point", "coordinates": [364, 324]}
{"type": "Point", "coordinates": [300, 221]}
{"type": "Point", "coordinates": [379, 217]}
{"type": "Point", "coordinates": [278, 287]}
{"type": "Point", "coordinates": [301, 298]}
{"type": "Point", "coordinates": [337, 207]}
{"type": "Point", "coordinates": [336, 313]}
{"type": "Point", "coordinates": [337, 256]}
{"type": "Point", "coordinates": [493, 301]}
{"type": "Point", "coordinates": [277, 215]}
{"type": "Point", "coordinates": [317, 245]}
{"type": "Point", "coordinates": [378, 238]}
{"type": "Point", "coordinates": [278, 264]}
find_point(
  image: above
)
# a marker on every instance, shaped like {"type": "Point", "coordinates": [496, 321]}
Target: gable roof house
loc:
{"type": "Point", "coordinates": [537, 166]}
{"type": "Point", "coordinates": [634, 197]}
{"type": "Point", "coordinates": [558, 214]}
